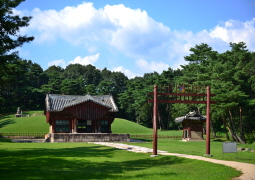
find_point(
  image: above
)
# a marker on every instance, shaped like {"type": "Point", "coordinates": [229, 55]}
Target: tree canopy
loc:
{"type": "Point", "coordinates": [10, 38]}
{"type": "Point", "coordinates": [231, 76]}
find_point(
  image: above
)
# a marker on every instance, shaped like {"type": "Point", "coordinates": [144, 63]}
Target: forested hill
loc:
{"type": "Point", "coordinates": [231, 76]}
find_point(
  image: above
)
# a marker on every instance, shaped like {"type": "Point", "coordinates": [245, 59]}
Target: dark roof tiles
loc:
{"type": "Point", "coordinates": [191, 116]}
{"type": "Point", "coordinates": [57, 102]}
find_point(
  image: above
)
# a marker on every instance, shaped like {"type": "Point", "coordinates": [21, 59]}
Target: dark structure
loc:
{"type": "Point", "coordinates": [76, 118]}
{"type": "Point", "coordinates": [192, 124]}
{"type": "Point", "coordinates": [181, 93]}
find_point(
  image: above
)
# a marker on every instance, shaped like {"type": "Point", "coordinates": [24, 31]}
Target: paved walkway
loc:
{"type": "Point", "coordinates": [248, 170]}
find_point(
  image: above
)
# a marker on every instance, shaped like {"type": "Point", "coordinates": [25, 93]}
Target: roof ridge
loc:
{"type": "Point", "coordinates": [84, 99]}
{"type": "Point", "coordinates": [58, 102]}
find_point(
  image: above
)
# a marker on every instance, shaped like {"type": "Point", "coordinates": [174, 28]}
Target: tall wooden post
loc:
{"type": "Point", "coordinates": [155, 120]}
{"type": "Point", "coordinates": [208, 121]}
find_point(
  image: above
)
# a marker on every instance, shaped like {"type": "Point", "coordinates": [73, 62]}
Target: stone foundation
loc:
{"type": "Point", "coordinates": [87, 137]}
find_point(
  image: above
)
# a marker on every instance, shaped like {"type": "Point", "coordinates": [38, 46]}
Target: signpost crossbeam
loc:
{"type": "Point", "coordinates": [182, 101]}
{"type": "Point", "coordinates": [155, 100]}
{"type": "Point", "coordinates": [182, 94]}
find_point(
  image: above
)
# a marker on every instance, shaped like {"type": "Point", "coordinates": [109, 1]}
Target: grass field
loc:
{"type": "Point", "coordinates": [78, 161]}
{"type": "Point", "coordinates": [38, 124]}
{"type": "Point", "coordinates": [124, 126]}
{"type": "Point", "coordinates": [31, 124]}
{"type": "Point", "coordinates": [199, 148]}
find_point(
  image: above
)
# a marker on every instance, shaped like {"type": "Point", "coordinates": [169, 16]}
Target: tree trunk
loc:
{"type": "Point", "coordinates": [214, 133]}
{"type": "Point", "coordinates": [168, 117]}
{"type": "Point", "coordinates": [160, 122]}
{"type": "Point", "coordinates": [232, 128]}
{"type": "Point", "coordinates": [241, 127]}
{"type": "Point", "coordinates": [225, 127]}
{"type": "Point", "coordinates": [231, 133]}
{"type": "Point", "coordinates": [235, 134]}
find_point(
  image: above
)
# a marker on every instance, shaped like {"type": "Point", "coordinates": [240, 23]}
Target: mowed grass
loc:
{"type": "Point", "coordinates": [36, 123]}
{"type": "Point", "coordinates": [80, 161]}
{"type": "Point", "coordinates": [199, 148]}
{"type": "Point", "coordinates": [32, 124]}
{"type": "Point", "coordinates": [124, 126]}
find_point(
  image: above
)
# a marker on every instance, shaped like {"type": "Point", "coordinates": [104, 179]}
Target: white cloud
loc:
{"type": "Point", "coordinates": [85, 60]}
{"type": "Point", "coordinates": [236, 31]}
{"type": "Point", "coordinates": [127, 72]}
{"type": "Point", "coordinates": [152, 66]}
{"type": "Point", "coordinates": [59, 62]}
{"type": "Point", "coordinates": [131, 32]}
{"type": "Point", "coordinates": [78, 60]}
{"type": "Point", "coordinates": [137, 34]}
{"type": "Point", "coordinates": [74, 24]}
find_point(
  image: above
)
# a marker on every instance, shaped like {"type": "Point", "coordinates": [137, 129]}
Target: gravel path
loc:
{"type": "Point", "coordinates": [248, 170]}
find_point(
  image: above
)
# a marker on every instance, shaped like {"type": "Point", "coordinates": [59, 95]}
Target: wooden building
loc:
{"type": "Point", "coordinates": [192, 124]}
{"type": "Point", "coordinates": [73, 117]}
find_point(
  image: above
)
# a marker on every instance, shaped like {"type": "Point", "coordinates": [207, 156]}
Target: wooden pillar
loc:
{"type": "Point", "coordinates": [189, 132]}
{"type": "Point", "coordinates": [155, 120]}
{"type": "Point", "coordinates": [53, 126]}
{"type": "Point", "coordinates": [75, 125]}
{"type": "Point", "coordinates": [208, 120]}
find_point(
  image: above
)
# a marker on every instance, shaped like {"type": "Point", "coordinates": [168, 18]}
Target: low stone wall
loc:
{"type": "Point", "coordinates": [87, 137]}
{"type": "Point", "coordinates": [23, 137]}
{"type": "Point", "coordinates": [21, 115]}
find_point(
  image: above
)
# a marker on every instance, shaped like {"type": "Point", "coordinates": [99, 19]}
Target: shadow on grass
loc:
{"type": "Point", "coordinates": [6, 122]}
{"type": "Point", "coordinates": [90, 162]}
{"type": "Point", "coordinates": [2, 139]}
{"type": "Point", "coordinates": [145, 140]}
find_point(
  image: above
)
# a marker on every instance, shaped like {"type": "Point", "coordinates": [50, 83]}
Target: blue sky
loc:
{"type": "Point", "coordinates": [134, 37]}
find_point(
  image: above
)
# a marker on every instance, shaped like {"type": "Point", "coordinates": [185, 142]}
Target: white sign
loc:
{"type": "Point", "coordinates": [229, 147]}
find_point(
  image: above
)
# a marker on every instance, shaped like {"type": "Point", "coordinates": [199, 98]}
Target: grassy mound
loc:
{"type": "Point", "coordinates": [36, 123]}
{"type": "Point", "coordinates": [32, 124]}
{"type": "Point", "coordinates": [120, 126]}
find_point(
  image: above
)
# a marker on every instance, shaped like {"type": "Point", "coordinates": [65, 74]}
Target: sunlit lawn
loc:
{"type": "Point", "coordinates": [78, 161]}
{"type": "Point", "coordinates": [199, 148]}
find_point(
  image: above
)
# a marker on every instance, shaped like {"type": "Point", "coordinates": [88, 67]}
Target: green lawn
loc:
{"type": "Point", "coordinates": [30, 124]}
{"type": "Point", "coordinates": [124, 126]}
{"type": "Point", "coordinates": [199, 148]}
{"type": "Point", "coordinates": [79, 161]}
{"type": "Point", "coordinates": [38, 124]}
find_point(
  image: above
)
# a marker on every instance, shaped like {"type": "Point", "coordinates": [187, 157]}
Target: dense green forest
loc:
{"type": "Point", "coordinates": [231, 76]}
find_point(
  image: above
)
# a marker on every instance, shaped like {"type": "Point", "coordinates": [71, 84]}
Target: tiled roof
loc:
{"type": "Point", "coordinates": [191, 116]}
{"type": "Point", "coordinates": [57, 102]}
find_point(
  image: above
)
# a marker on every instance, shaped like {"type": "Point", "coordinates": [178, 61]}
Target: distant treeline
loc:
{"type": "Point", "coordinates": [231, 76]}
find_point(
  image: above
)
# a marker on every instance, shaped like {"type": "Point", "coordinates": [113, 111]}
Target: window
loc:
{"type": "Point", "coordinates": [84, 126]}
{"type": "Point", "coordinates": [62, 125]}
{"type": "Point", "coordinates": [104, 126]}
{"type": "Point", "coordinates": [89, 126]}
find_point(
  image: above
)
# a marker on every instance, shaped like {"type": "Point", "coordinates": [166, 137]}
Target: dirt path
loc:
{"type": "Point", "coordinates": [248, 170]}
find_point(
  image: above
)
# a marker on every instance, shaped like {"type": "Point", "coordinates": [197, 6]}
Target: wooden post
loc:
{"type": "Point", "coordinates": [208, 102]}
{"type": "Point", "coordinates": [155, 120]}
